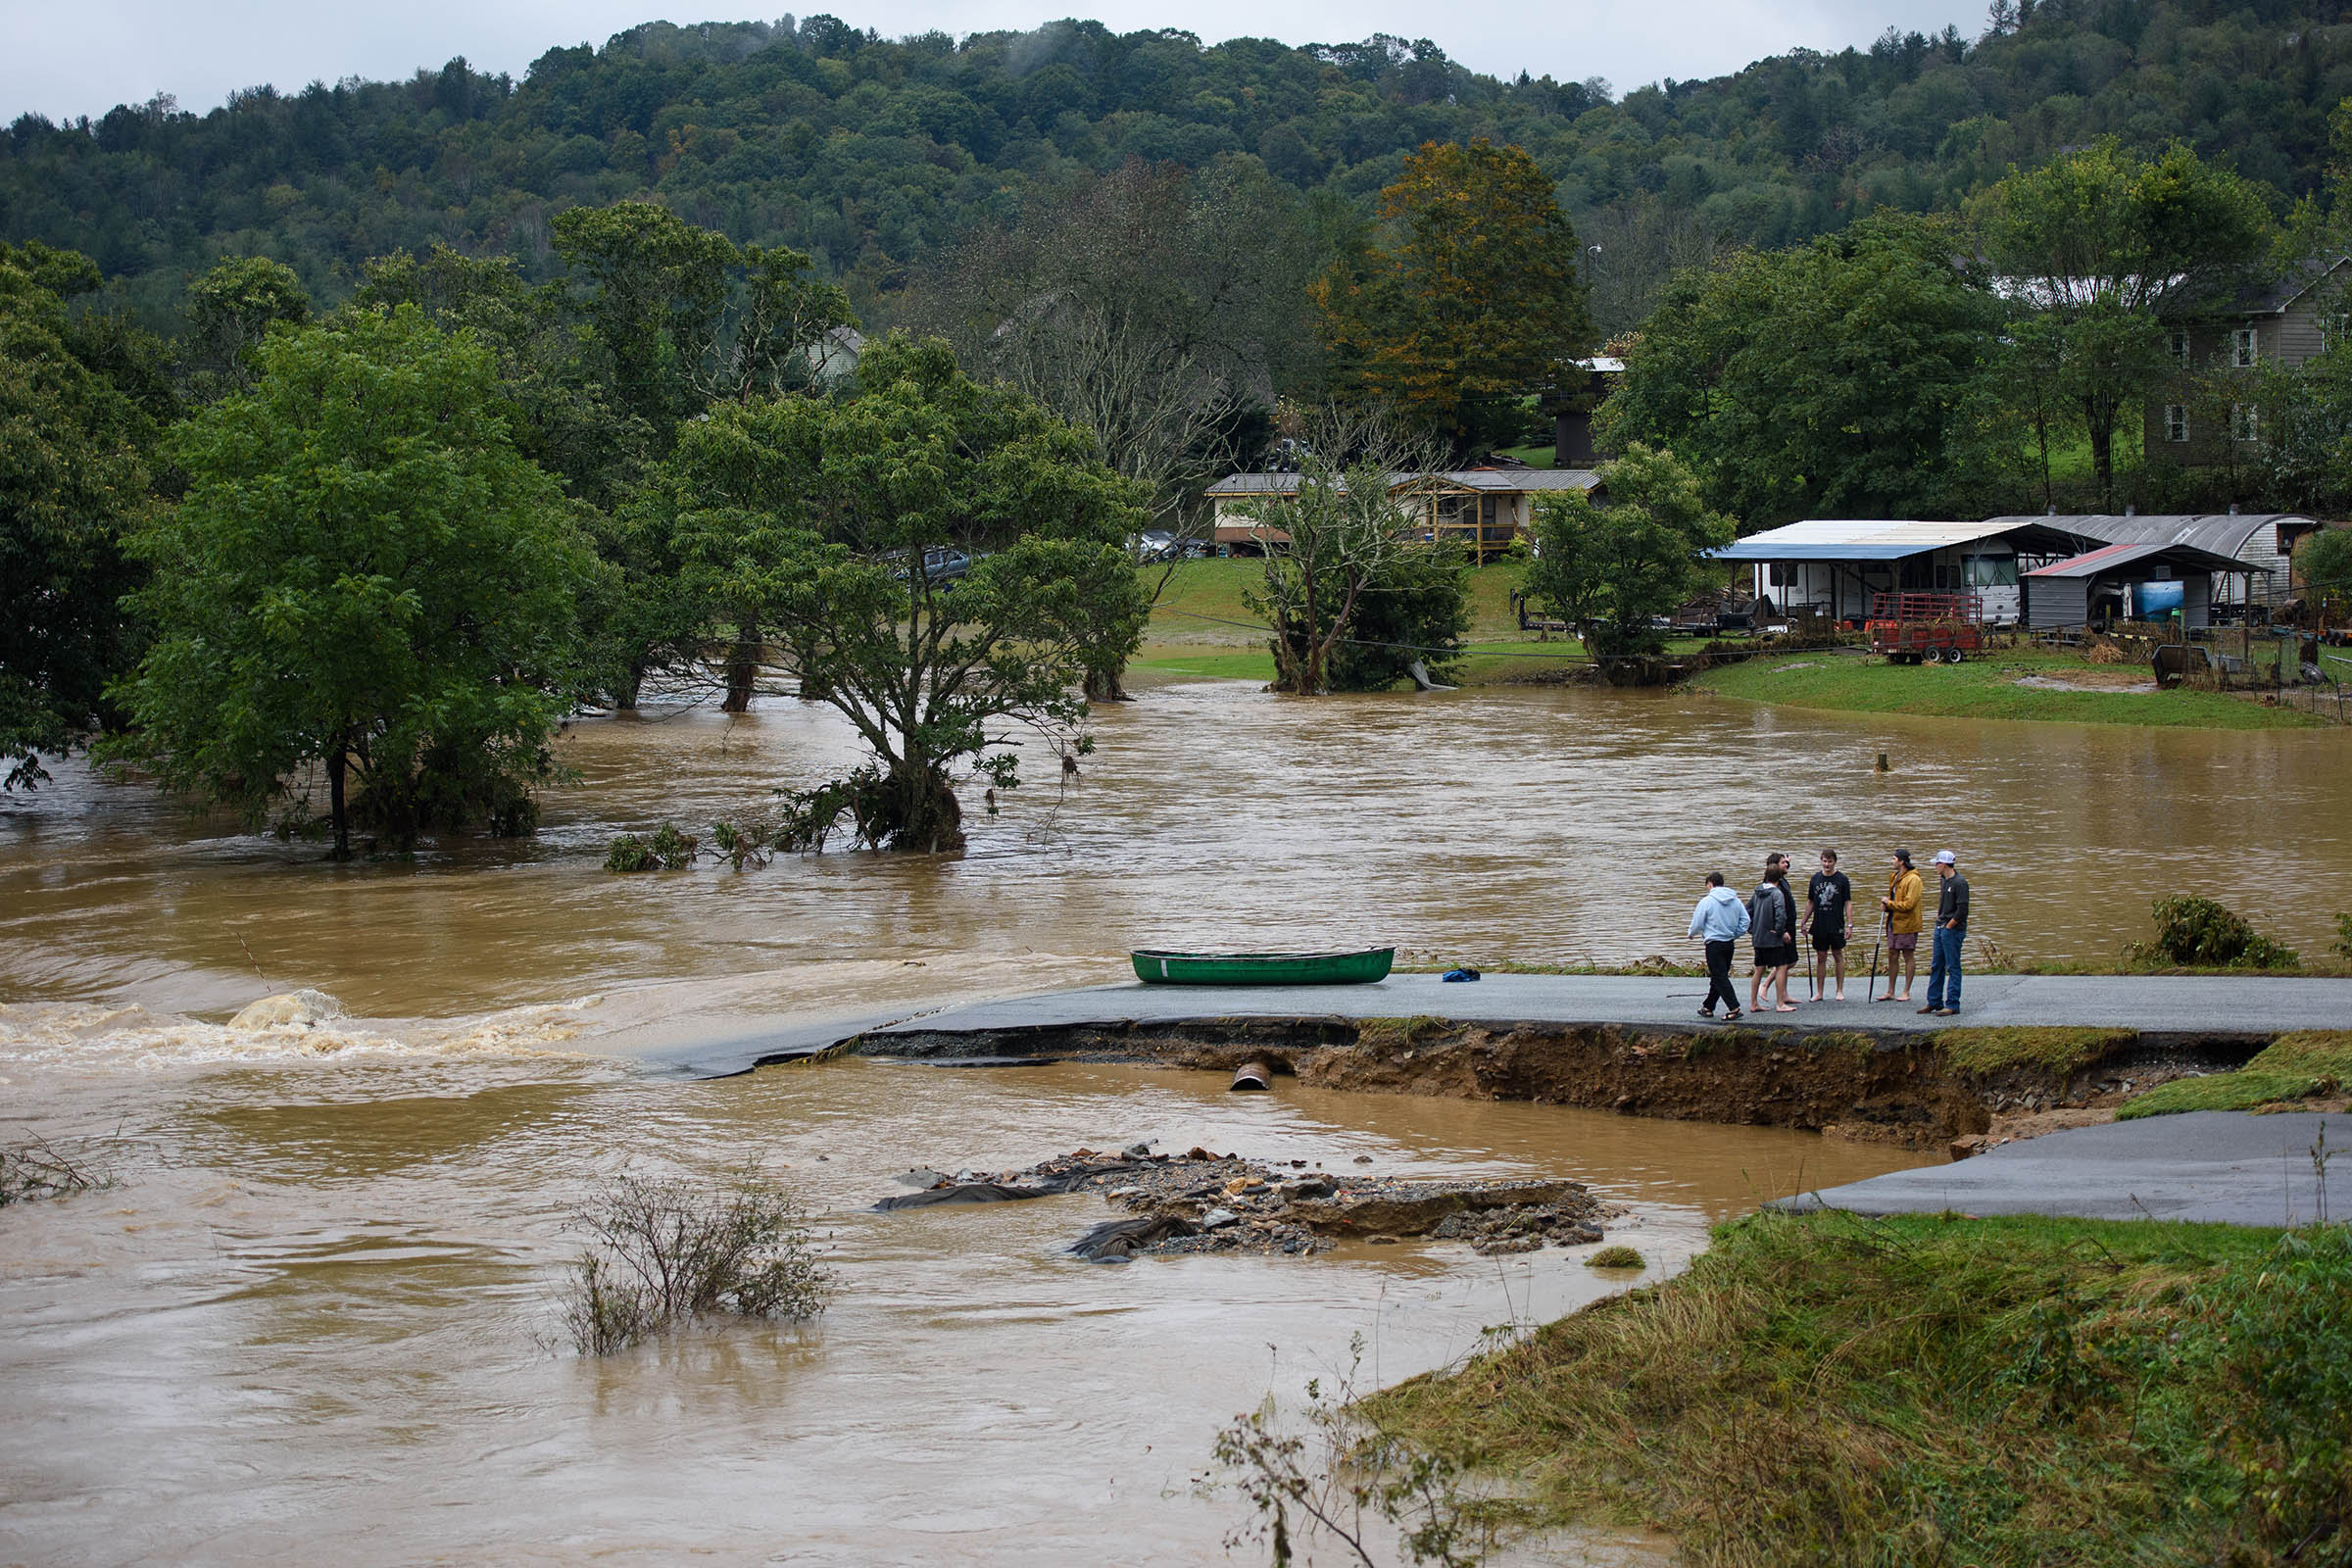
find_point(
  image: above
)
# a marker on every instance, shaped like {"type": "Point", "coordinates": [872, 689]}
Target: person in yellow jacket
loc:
{"type": "Point", "coordinates": [1903, 923]}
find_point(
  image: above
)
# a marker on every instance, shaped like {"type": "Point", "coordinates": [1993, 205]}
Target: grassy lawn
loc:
{"type": "Point", "coordinates": [1986, 688]}
{"type": "Point", "coordinates": [1935, 1389]}
{"type": "Point", "coordinates": [1201, 628]}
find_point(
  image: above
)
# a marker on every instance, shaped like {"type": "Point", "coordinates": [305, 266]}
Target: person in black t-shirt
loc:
{"type": "Point", "coordinates": [1829, 918]}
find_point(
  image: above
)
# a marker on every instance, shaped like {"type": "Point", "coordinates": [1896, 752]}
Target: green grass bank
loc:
{"type": "Point", "coordinates": [2007, 683]}
{"type": "Point", "coordinates": [1824, 1388]}
{"type": "Point", "coordinates": [2288, 1075]}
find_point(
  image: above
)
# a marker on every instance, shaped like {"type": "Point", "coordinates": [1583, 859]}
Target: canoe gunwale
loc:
{"type": "Point", "coordinates": [1164, 966]}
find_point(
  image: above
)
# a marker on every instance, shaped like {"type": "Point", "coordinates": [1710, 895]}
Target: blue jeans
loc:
{"type": "Point", "coordinates": [1943, 975]}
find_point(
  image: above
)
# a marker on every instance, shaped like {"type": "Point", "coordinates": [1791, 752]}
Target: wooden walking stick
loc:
{"type": "Point", "coordinates": [1885, 926]}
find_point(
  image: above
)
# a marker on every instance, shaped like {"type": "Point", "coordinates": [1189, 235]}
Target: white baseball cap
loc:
{"type": "Point", "coordinates": [1946, 858]}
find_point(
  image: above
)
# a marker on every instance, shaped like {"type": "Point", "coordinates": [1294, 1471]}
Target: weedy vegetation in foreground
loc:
{"type": "Point", "coordinates": [34, 1168]}
{"type": "Point", "coordinates": [663, 1252]}
{"type": "Point", "coordinates": [1824, 1388]}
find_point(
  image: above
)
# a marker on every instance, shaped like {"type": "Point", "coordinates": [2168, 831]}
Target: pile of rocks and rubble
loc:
{"type": "Point", "coordinates": [1198, 1201]}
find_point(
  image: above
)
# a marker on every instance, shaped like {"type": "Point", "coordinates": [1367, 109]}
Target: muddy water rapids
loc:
{"type": "Point", "coordinates": [316, 1318]}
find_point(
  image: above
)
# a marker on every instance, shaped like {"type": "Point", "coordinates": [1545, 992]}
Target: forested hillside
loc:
{"type": "Point", "coordinates": [873, 154]}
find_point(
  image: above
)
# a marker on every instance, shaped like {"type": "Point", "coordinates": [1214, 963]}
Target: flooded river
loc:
{"type": "Point", "coordinates": [313, 1320]}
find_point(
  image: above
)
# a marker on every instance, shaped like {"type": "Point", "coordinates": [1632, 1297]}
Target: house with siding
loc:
{"type": "Point", "coordinates": [2197, 417]}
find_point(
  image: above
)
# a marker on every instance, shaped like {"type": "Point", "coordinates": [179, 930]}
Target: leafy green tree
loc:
{"type": "Point", "coordinates": [657, 299]}
{"type": "Point", "coordinates": [1469, 303]}
{"type": "Point", "coordinates": [2103, 242]}
{"type": "Point", "coordinates": [2324, 565]}
{"type": "Point", "coordinates": [1836, 379]}
{"type": "Point", "coordinates": [71, 479]}
{"type": "Point", "coordinates": [570, 421]}
{"type": "Point", "coordinates": [1343, 535]}
{"type": "Point", "coordinates": [1610, 572]}
{"type": "Point", "coordinates": [1415, 612]}
{"type": "Point", "coordinates": [787, 310]}
{"type": "Point", "coordinates": [663, 298]}
{"type": "Point", "coordinates": [365, 574]}
{"type": "Point", "coordinates": [827, 529]}
{"type": "Point", "coordinates": [230, 311]}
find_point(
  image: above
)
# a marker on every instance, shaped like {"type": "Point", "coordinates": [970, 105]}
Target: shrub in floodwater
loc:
{"type": "Point", "coordinates": [2343, 935]}
{"type": "Point", "coordinates": [1618, 1257]}
{"type": "Point", "coordinates": [663, 1251]}
{"type": "Point", "coordinates": [34, 1168]}
{"type": "Point", "coordinates": [1362, 1471]}
{"type": "Point", "coordinates": [2201, 932]}
{"type": "Point", "coordinates": [667, 848]}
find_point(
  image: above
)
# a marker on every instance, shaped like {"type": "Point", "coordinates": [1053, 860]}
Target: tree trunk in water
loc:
{"type": "Point", "coordinates": [919, 811]}
{"type": "Point", "coordinates": [335, 764]}
{"type": "Point", "coordinates": [624, 700]}
{"type": "Point", "coordinates": [1104, 685]}
{"type": "Point", "coordinates": [743, 670]}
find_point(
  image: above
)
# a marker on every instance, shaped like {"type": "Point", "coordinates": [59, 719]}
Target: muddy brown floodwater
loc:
{"type": "Point", "coordinates": [311, 1322]}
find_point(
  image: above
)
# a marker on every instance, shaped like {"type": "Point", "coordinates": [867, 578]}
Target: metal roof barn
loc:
{"type": "Point", "coordinates": [1890, 539]}
{"type": "Point", "coordinates": [2262, 539]}
{"type": "Point", "coordinates": [1835, 568]}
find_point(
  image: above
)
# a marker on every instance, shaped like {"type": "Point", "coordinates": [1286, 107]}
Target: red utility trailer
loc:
{"type": "Point", "coordinates": [1936, 627]}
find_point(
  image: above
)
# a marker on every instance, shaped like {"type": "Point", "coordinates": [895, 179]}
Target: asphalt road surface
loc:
{"type": "Point", "coordinates": [2220, 1166]}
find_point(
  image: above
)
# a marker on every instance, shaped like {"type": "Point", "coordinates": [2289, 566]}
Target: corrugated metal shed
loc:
{"type": "Point", "coordinates": [2241, 535]}
{"type": "Point", "coordinates": [2114, 558]}
{"type": "Point", "coordinates": [1893, 539]}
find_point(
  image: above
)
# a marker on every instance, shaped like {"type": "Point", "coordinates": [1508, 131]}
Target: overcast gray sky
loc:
{"type": "Point", "coordinates": [76, 57]}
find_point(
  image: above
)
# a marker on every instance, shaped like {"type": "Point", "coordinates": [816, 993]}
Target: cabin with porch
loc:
{"type": "Point", "coordinates": [1834, 569]}
{"type": "Point", "coordinates": [1483, 509]}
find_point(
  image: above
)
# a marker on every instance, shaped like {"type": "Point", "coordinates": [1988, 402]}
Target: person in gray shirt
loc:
{"type": "Point", "coordinates": [1951, 932]}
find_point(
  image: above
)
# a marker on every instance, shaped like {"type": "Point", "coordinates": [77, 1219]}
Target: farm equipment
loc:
{"type": "Point", "coordinates": [1935, 629]}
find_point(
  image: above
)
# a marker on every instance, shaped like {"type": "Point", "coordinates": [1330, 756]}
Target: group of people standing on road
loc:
{"type": "Point", "coordinates": [1773, 919]}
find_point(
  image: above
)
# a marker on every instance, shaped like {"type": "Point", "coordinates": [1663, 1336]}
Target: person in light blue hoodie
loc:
{"type": "Point", "coordinates": [1720, 920]}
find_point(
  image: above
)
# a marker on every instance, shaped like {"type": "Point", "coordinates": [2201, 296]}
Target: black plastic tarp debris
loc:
{"type": "Point", "coordinates": [1117, 1241]}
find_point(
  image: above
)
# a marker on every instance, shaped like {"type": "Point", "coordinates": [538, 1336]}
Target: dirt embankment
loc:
{"type": "Point", "coordinates": [1960, 1091]}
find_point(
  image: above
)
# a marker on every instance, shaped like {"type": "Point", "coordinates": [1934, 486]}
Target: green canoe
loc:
{"type": "Point", "coordinates": [1263, 968]}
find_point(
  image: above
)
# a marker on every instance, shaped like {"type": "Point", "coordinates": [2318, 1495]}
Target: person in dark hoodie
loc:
{"type": "Point", "coordinates": [1772, 922]}
{"type": "Point", "coordinates": [1719, 920]}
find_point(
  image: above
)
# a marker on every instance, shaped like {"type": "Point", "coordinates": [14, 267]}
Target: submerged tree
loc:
{"type": "Point", "coordinates": [71, 479]}
{"type": "Point", "coordinates": [1341, 535]}
{"type": "Point", "coordinates": [935, 559]}
{"type": "Point", "coordinates": [1610, 572]}
{"type": "Point", "coordinates": [365, 574]}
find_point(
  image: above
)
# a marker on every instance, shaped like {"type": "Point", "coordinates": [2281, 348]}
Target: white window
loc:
{"type": "Point", "coordinates": [2245, 423]}
{"type": "Point", "coordinates": [2241, 348]}
{"type": "Point", "coordinates": [2175, 421]}
{"type": "Point", "coordinates": [2178, 344]}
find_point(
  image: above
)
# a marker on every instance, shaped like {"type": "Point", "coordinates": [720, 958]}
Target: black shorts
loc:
{"type": "Point", "coordinates": [1831, 940]}
{"type": "Point", "coordinates": [1774, 957]}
